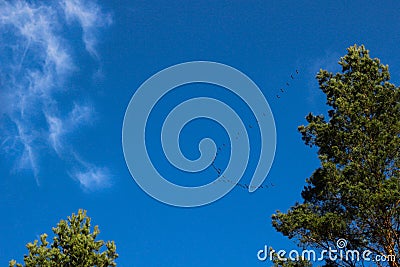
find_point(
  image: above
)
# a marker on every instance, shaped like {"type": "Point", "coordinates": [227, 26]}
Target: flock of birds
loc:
{"type": "Point", "coordinates": [287, 84]}
{"type": "Point", "coordinates": [240, 185]}
{"type": "Point", "coordinates": [219, 149]}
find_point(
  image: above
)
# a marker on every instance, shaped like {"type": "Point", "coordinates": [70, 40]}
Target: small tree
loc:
{"type": "Point", "coordinates": [355, 193]}
{"type": "Point", "coordinates": [73, 245]}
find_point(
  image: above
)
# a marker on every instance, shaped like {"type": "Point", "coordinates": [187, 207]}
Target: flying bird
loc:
{"type": "Point", "coordinates": [287, 84]}
{"type": "Point", "coordinates": [291, 76]}
{"type": "Point", "coordinates": [278, 96]}
{"type": "Point", "coordinates": [282, 90]}
{"type": "Point", "coordinates": [297, 72]}
{"type": "Point", "coordinates": [215, 168]}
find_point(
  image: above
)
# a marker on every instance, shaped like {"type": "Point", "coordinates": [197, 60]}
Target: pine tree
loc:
{"type": "Point", "coordinates": [74, 245]}
{"type": "Point", "coordinates": [355, 193]}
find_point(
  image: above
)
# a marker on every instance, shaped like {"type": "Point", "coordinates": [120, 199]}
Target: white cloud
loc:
{"type": "Point", "coordinates": [90, 176]}
{"type": "Point", "coordinates": [93, 178]}
{"type": "Point", "coordinates": [36, 29]}
{"type": "Point", "coordinates": [58, 128]}
{"type": "Point", "coordinates": [90, 18]}
{"type": "Point", "coordinates": [81, 114]}
{"type": "Point", "coordinates": [56, 132]}
{"type": "Point", "coordinates": [36, 62]}
{"type": "Point", "coordinates": [28, 159]}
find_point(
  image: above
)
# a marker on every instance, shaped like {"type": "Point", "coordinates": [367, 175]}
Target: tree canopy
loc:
{"type": "Point", "coordinates": [355, 193]}
{"type": "Point", "coordinates": [74, 244]}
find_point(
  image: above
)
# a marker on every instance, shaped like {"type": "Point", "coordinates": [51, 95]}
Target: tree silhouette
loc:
{"type": "Point", "coordinates": [355, 193]}
{"type": "Point", "coordinates": [73, 245]}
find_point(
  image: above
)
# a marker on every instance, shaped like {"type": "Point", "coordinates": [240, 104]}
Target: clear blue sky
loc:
{"type": "Point", "coordinates": [69, 68]}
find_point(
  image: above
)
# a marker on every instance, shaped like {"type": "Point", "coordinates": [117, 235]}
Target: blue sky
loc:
{"type": "Point", "coordinates": [69, 69]}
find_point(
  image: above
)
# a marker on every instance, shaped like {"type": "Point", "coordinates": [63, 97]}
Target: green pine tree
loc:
{"type": "Point", "coordinates": [74, 245]}
{"type": "Point", "coordinates": [355, 193]}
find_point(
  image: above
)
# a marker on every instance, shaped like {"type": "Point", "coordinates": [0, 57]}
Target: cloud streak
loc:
{"type": "Point", "coordinates": [89, 17]}
{"type": "Point", "coordinates": [37, 60]}
{"type": "Point", "coordinates": [90, 176]}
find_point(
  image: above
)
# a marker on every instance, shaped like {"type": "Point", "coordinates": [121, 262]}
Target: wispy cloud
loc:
{"type": "Point", "coordinates": [37, 60]}
{"type": "Point", "coordinates": [56, 131]}
{"type": "Point", "coordinates": [91, 177]}
{"type": "Point", "coordinates": [59, 128]}
{"type": "Point", "coordinates": [80, 114]}
{"type": "Point", "coordinates": [90, 18]}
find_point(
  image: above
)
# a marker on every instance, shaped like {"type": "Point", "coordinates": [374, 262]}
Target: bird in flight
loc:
{"type": "Point", "coordinates": [291, 76]}
{"type": "Point", "coordinates": [297, 72]}
{"type": "Point", "coordinates": [282, 90]}
{"type": "Point", "coordinates": [278, 96]}
{"type": "Point", "coordinates": [287, 84]}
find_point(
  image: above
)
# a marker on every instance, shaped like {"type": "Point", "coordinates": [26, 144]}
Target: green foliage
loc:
{"type": "Point", "coordinates": [286, 262]}
{"type": "Point", "coordinates": [355, 193]}
{"type": "Point", "coordinates": [291, 263]}
{"type": "Point", "coordinates": [73, 245]}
